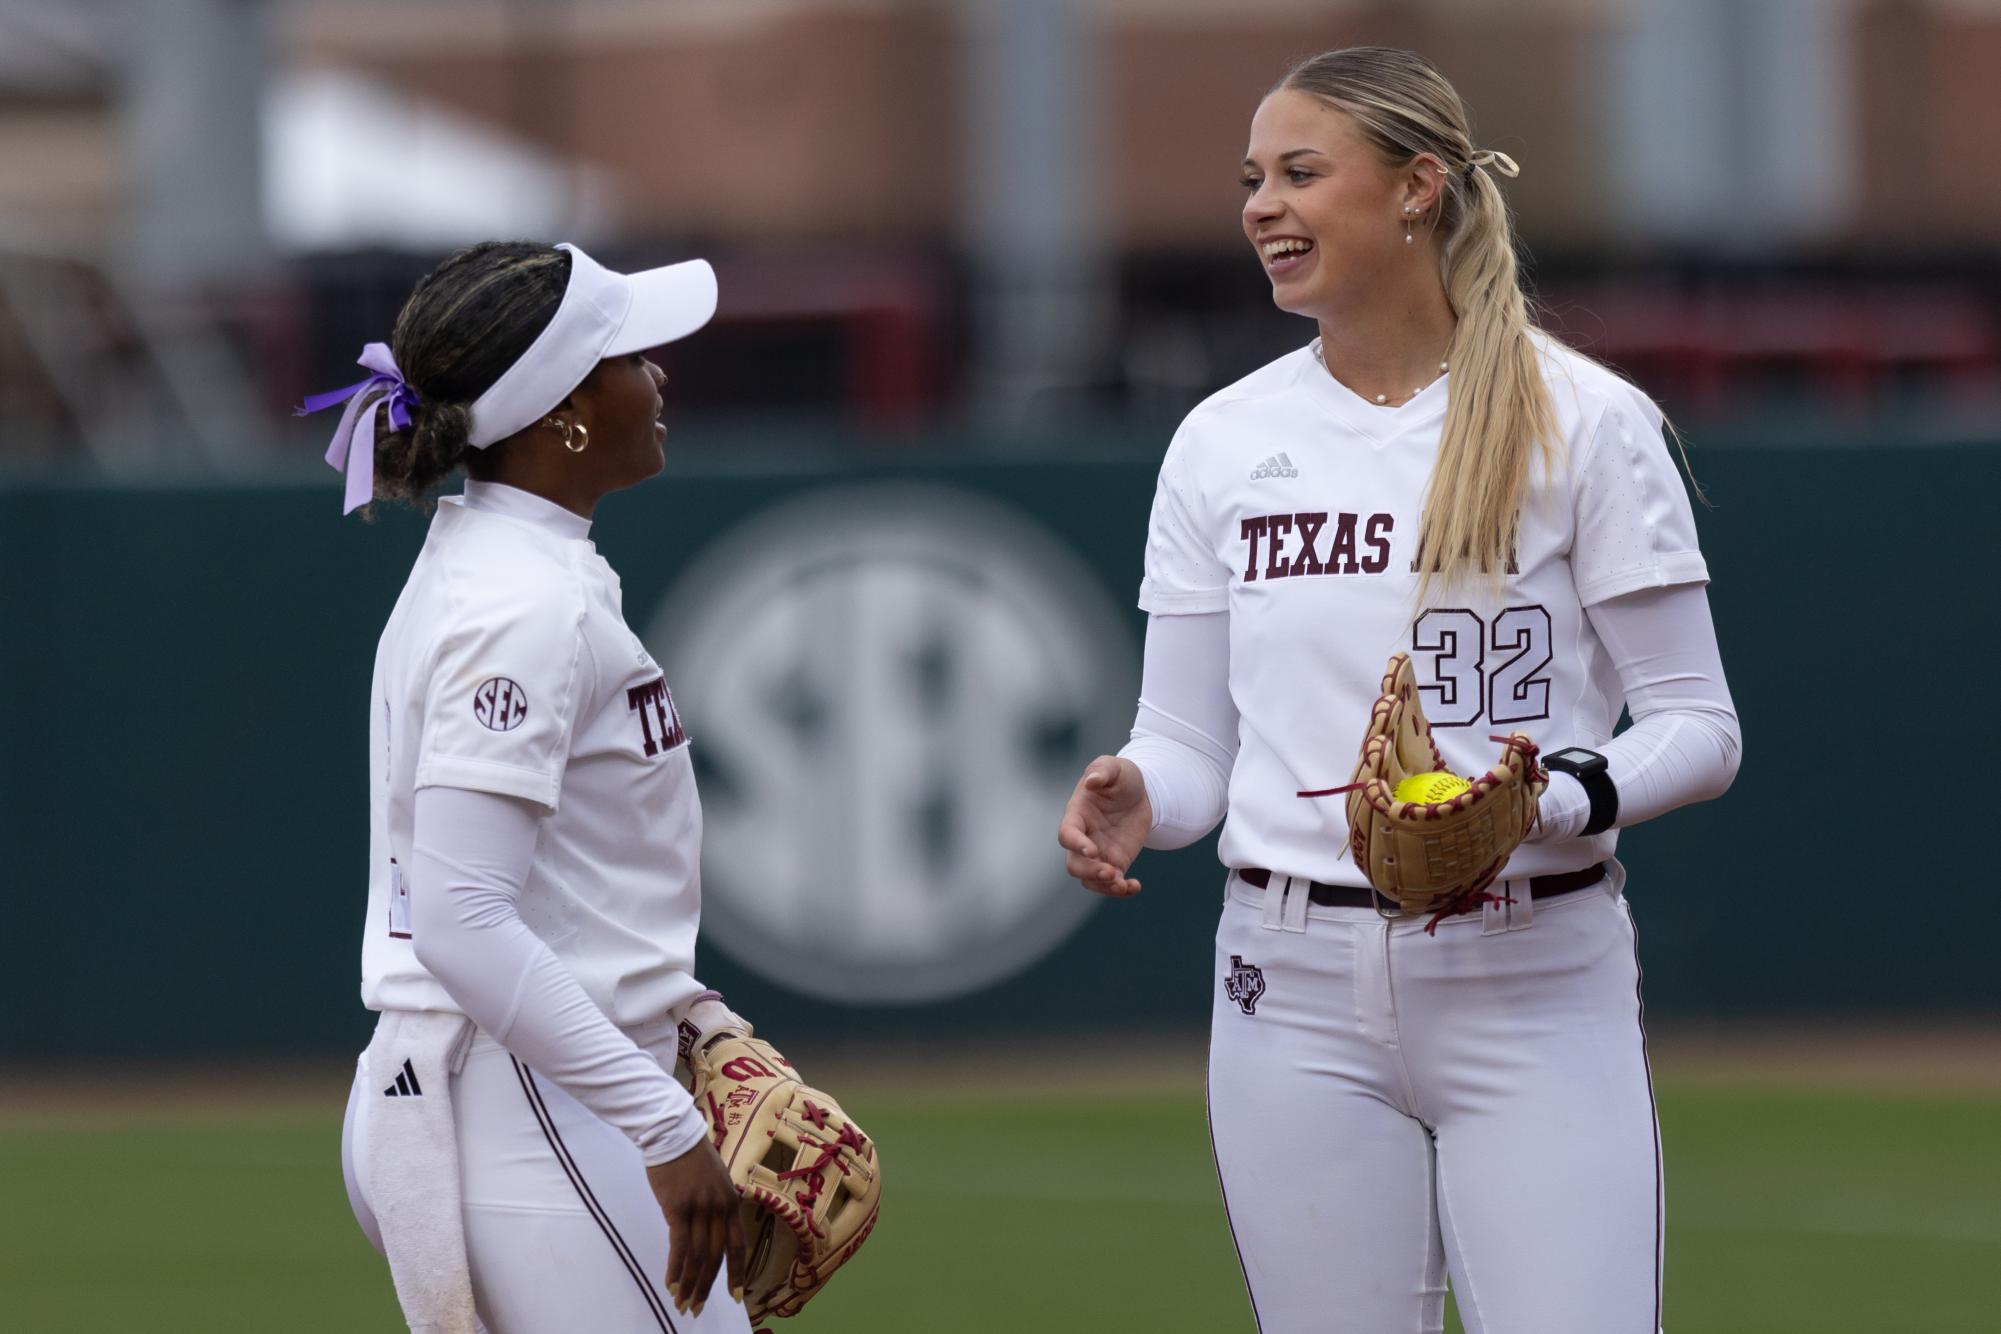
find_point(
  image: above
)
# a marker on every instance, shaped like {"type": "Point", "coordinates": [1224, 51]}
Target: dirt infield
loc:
{"type": "Point", "coordinates": [1946, 1055]}
{"type": "Point", "coordinates": [1943, 1056]}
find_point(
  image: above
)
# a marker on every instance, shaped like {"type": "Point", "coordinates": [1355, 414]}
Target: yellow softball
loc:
{"type": "Point", "coordinates": [1430, 789]}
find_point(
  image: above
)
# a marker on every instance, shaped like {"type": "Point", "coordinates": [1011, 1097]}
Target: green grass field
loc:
{"type": "Point", "coordinates": [1790, 1208]}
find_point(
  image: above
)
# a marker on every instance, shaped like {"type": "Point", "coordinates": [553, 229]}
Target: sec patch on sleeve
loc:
{"type": "Point", "coordinates": [499, 704]}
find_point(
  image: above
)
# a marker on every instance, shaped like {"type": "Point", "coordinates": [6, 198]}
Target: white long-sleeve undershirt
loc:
{"type": "Point", "coordinates": [1184, 737]}
{"type": "Point", "coordinates": [471, 857]}
{"type": "Point", "coordinates": [1683, 745]}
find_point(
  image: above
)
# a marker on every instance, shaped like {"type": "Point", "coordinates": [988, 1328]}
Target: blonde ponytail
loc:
{"type": "Point", "coordinates": [1498, 413]}
{"type": "Point", "coordinates": [1497, 409]}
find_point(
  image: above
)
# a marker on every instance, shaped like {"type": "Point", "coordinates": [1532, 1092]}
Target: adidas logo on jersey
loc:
{"type": "Point", "coordinates": [405, 1085]}
{"type": "Point", "coordinates": [1278, 465]}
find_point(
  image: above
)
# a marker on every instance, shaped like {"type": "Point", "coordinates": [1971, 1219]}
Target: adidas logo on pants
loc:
{"type": "Point", "coordinates": [405, 1085]}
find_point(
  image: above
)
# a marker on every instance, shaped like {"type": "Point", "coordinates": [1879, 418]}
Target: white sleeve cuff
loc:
{"type": "Point", "coordinates": [507, 780]}
{"type": "Point", "coordinates": [676, 1136]}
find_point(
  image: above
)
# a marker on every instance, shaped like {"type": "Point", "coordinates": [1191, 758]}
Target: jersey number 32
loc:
{"type": "Point", "coordinates": [1493, 669]}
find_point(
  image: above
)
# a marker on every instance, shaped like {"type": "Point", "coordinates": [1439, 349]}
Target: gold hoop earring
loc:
{"type": "Point", "coordinates": [583, 441]}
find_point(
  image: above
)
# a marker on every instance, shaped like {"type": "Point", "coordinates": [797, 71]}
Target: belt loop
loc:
{"type": "Point", "coordinates": [1521, 907]}
{"type": "Point", "coordinates": [1298, 893]}
{"type": "Point", "coordinates": [1494, 915]}
{"type": "Point", "coordinates": [1275, 903]}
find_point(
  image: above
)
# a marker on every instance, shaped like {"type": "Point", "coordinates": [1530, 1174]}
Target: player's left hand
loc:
{"type": "Point", "coordinates": [1105, 825]}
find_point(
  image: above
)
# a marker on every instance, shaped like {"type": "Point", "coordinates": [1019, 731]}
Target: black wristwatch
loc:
{"type": "Point", "coordinates": [1588, 767]}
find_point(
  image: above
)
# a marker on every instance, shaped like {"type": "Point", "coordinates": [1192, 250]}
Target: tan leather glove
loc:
{"type": "Point", "coordinates": [809, 1178]}
{"type": "Point", "coordinates": [1436, 858]}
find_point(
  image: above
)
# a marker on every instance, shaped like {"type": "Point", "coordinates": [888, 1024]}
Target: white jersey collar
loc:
{"type": "Point", "coordinates": [1376, 421]}
{"type": "Point", "coordinates": [512, 501]}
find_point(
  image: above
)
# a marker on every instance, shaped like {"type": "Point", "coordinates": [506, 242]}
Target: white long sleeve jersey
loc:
{"type": "Point", "coordinates": [1290, 504]}
{"type": "Point", "coordinates": [507, 668]}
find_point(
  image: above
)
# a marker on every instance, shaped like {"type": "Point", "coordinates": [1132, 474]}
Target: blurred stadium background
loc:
{"type": "Point", "coordinates": [976, 257]}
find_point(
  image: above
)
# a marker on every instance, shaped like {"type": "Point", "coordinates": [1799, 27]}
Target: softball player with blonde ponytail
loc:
{"type": "Point", "coordinates": [1397, 1101]}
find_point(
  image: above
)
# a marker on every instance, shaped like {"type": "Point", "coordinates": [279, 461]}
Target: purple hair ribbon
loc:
{"type": "Point", "coordinates": [358, 465]}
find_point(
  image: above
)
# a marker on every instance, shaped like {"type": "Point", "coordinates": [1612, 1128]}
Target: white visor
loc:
{"type": "Point", "coordinates": [604, 314]}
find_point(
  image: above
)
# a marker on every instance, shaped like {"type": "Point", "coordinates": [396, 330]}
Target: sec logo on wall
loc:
{"type": "Point", "coordinates": [891, 690]}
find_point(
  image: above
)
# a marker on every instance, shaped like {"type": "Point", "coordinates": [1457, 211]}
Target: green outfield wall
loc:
{"type": "Point", "coordinates": [890, 670]}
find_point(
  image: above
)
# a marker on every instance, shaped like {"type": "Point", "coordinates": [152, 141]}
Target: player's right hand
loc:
{"type": "Point", "coordinates": [704, 1224]}
{"type": "Point", "coordinates": [1105, 825]}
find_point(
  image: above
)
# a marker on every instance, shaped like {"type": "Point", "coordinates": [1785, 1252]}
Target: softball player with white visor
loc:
{"type": "Point", "coordinates": [1395, 1099]}
{"type": "Point", "coordinates": [516, 1141]}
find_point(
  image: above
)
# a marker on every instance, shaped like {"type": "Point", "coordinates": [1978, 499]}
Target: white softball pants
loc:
{"type": "Point", "coordinates": [1391, 1107]}
{"type": "Point", "coordinates": [562, 1230]}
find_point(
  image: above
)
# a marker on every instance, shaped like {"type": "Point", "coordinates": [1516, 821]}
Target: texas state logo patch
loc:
{"type": "Point", "coordinates": [1243, 984]}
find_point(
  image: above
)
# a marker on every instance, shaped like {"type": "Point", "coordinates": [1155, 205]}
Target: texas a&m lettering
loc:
{"type": "Point", "coordinates": [1293, 544]}
{"type": "Point", "coordinates": [659, 720]}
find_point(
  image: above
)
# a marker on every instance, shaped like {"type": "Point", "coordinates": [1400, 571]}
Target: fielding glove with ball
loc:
{"type": "Point", "coordinates": [1434, 857]}
{"type": "Point", "coordinates": [808, 1176]}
